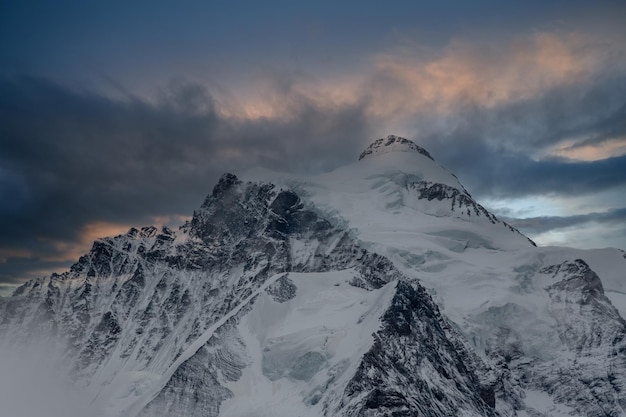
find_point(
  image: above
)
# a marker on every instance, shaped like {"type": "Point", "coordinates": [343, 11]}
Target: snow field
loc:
{"type": "Point", "coordinates": [303, 349]}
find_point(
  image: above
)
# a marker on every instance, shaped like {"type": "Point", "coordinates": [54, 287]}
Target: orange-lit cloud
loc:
{"type": "Point", "coordinates": [72, 250]}
{"type": "Point", "coordinates": [270, 99]}
{"type": "Point", "coordinates": [67, 250]}
{"type": "Point", "coordinates": [173, 220]}
{"type": "Point", "coordinates": [401, 83]}
{"type": "Point", "coordinates": [6, 253]}
{"type": "Point", "coordinates": [485, 75]}
{"type": "Point", "coordinates": [591, 152]}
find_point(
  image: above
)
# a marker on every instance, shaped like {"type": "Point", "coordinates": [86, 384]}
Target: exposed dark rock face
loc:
{"type": "Point", "coordinates": [396, 143]}
{"type": "Point", "coordinates": [416, 367]}
{"type": "Point", "coordinates": [459, 200]}
{"type": "Point", "coordinates": [195, 385]}
{"type": "Point", "coordinates": [282, 290]}
{"type": "Point", "coordinates": [564, 358]}
{"type": "Point", "coordinates": [591, 328]}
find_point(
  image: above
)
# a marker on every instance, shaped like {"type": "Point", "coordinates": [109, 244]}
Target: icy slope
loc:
{"type": "Point", "coordinates": [488, 278]}
{"type": "Point", "coordinates": [298, 347]}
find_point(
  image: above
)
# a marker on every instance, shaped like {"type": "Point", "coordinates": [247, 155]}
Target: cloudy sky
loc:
{"type": "Point", "coordinates": [116, 113]}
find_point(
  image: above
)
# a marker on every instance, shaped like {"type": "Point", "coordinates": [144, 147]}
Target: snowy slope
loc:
{"type": "Point", "coordinates": [487, 277]}
{"type": "Point", "coordinates": [298, 345]}
{"type": "Point", "coordinates": [381, 288]}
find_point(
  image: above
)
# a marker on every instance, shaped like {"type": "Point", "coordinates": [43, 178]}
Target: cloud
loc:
{"type": "Point", "coordinates": [497, 173]}
{"type": "Point", "coordinates": [35, 381]}
{"type": "Point", "coordinates": [541, 115]}
{"type": "Point", "coordinates": [7, 289]}
{"type": "Point", "coordinates": [542, 224]}
{"type": "Point", "coordinates": [593, 151]}
{"type": "Point", "coordinates": [545, 94]}
{"type": "Point", "coordinates": [71, 250]}
{"type": "Point", "coordinates": [71, 159]}
{"type": "Point", "coordinates": [606, 137]}
{"type": "Point", "coordinates": [589, 230]}
{"type": "Point", "coordinates": [502, 115]}
{"type": "Point", "coordinates": [485, 74]}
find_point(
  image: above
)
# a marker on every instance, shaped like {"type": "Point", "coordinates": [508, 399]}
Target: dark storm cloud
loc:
{"type": "Point", "coordinates": [489, 172]}
{"type": "Point", "coordinates": [70, 158]}
{"type": "Point", "coordinates": [505, 151]}
{"type": "Point", "coordinates": [588, 113]}
{"type": "Point", "coordinates": [607, 129]}
{"type": "Point", "coordinates": [537, 225]}
{"type": "Point", "coordinates": [16, 269]}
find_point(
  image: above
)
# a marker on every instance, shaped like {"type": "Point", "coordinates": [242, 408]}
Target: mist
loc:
{"type": "Point", "coordinates": [35, 381]}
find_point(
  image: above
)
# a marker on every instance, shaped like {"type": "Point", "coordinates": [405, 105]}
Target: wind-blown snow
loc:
{"type": "Point", "coordinates": [35, 382]}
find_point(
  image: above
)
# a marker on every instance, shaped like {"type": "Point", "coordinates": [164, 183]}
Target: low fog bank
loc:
{"type": "Point", "coordinates": [35, 381]}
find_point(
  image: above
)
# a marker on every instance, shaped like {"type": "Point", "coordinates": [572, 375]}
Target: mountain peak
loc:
{"type": "Point", "coordinates": [393, 143]}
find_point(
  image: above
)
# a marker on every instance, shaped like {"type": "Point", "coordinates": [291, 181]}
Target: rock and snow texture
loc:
{"type": "Point", "coordinates": [393, 143]}
{"type": "Point", "coordinates": [379, 289]}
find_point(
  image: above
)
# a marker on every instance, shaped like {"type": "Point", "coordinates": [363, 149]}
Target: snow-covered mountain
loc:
{"type": "Point", "coordinates": [379, 289]}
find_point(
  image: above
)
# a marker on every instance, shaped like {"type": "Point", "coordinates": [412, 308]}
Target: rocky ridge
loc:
{"type": "Point", "coordinates": [393, 143]}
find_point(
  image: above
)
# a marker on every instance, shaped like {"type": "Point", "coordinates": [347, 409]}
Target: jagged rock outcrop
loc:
{"type": "Point", "coordinates": [393, 143]}
{"type": "Point", "coordinates": [576, 353]}
{"type": "Point", "coordinates": [415, 368]}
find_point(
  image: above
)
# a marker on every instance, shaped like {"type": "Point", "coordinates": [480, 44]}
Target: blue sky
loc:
{"type": "Point", "coordinates": [115, 114]}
